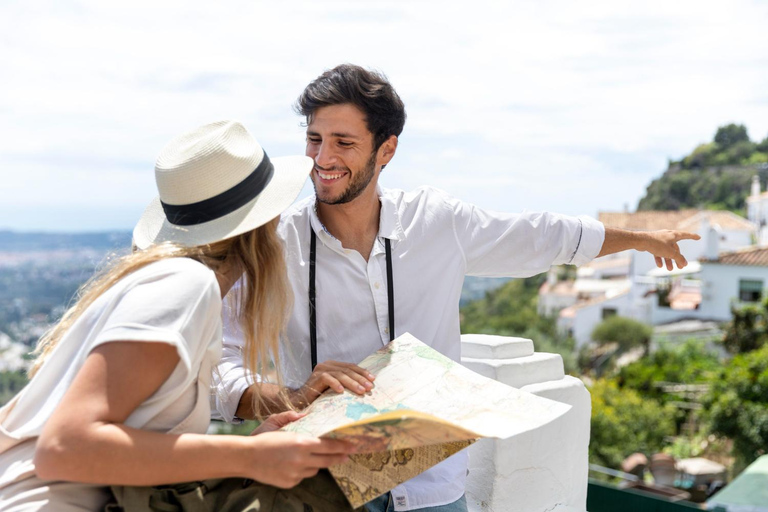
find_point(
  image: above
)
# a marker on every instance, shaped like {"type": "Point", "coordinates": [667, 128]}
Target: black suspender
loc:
{"type": "Point", "coordinates": [312, 307]}
{"type": "Point", "coordinates": [313, 303]}
{"type": "Point", "coordinates": [390, 290]}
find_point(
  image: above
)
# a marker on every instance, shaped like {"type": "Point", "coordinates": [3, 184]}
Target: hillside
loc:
{"type": "Point", "coordinates": [716, 175]}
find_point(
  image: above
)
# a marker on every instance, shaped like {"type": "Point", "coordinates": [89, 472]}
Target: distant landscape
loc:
{"type": "Point", "coordinates": [41, 272]}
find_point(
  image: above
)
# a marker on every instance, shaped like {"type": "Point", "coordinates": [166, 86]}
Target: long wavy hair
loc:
{"type": "Point", "coordinates": [261, 303]}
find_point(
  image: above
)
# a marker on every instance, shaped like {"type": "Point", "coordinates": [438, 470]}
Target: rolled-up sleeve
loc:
{"type": "Point", "coordinates": [230, 378]}
{"type": "Point", "coordinates": [229, 383]}
{"type": "Point", "coordinates": [591, 241]}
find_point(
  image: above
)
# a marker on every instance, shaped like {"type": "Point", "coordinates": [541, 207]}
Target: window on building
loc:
{"type": "Point", "coordinates": [750, 290]}
{"type": "Point", "coordinates": [609, 312]}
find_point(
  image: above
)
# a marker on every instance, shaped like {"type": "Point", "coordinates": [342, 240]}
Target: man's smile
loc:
{"type": "Point", "coordinates": [329, 175]}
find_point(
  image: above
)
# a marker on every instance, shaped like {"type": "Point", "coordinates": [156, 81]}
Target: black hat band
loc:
{"type": "Point", "coordinates": [222, 204]}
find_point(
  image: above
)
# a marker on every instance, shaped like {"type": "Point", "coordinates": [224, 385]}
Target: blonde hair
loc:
{"type": "Point", "coordinates": [261, 303]}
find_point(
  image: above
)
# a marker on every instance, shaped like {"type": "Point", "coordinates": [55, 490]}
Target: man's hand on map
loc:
{"type": "Point", "coordinates": [334, 375]}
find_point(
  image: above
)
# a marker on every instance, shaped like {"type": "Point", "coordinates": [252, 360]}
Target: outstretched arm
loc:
{"type": "Point", "coordinates": [662, 244]}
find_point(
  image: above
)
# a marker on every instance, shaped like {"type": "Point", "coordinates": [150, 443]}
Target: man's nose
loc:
{"type": "Point", "coordinates": [324, 155]}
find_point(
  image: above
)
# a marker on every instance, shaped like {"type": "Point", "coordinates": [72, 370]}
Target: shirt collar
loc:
{"type": "Point", "coordinates": [390, 225]}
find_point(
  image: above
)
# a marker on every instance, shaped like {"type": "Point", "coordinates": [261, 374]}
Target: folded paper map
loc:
{"type": "Point", "coordinates": [423, 408]}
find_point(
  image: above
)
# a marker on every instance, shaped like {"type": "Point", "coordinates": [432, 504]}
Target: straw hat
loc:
{"type": "Point", "coordinates": [216, 182]}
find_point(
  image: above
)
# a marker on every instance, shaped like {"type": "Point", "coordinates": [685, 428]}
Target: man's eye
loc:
{"type": "Point", "coordinates": [313, 140]}
{"type": "Point", "coordinates": [344, 144]}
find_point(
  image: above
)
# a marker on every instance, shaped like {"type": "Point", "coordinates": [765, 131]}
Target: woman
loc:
{"type": "Point", "coordinates": [120, 389]}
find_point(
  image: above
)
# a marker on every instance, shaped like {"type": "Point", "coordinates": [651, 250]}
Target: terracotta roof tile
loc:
{"type": "Point", "coordinates": [724, 219]}
{"type": "Point", "coordinates": [687, 220]}
{"type": "Point", "coordinates": [646, 220]}
{"type": "Point", "coordinates": [748, 257]}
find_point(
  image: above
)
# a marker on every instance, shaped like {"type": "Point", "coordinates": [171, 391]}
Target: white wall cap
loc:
{"type": "Point", "coordinates": [520, 371]}
{"type": "Point", "coordinates": [568, 390]}
{"type": "Point", "coordinates": [487, 346]}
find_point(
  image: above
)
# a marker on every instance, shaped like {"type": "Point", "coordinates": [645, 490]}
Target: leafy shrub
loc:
{"type": "Point", "coordinates": [628, 333]}
{"type": "Point", "coordinates": [689, 363]}
{"type": "Point", "coordinates": [747, 329]}
{"type": "Point", "coordinates": [623, 422]}
{"type": "Point", "coordinates": [738, 404]}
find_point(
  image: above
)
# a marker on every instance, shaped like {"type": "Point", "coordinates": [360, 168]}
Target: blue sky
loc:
{"type": "Point", "coordinates": [553, 105]}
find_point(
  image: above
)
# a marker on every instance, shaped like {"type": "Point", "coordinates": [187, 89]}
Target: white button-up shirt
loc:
{"type": "Point", "coordinates": [436, 240]}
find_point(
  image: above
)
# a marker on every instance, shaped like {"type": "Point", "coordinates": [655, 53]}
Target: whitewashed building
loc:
{"type": "Point", "coordinates": [629, 284]}
{"type": "Point", "coordinates": [736, 277]}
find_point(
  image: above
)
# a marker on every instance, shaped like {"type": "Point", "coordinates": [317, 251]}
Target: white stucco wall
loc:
{"type": "Point", "coordinates": [538, 471]}
{"type": "Point", "coordinates": [550, 303]}
{"type": "Point", "coordinates": [721, 287]}
{"type": "Point", "coordinates": [587, 317]}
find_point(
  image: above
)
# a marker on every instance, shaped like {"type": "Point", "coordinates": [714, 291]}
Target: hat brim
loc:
{"type": "Point", "coordinates": [290, 174]}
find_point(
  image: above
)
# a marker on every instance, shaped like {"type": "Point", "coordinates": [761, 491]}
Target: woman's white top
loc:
{"type": "Point", "coordinates": [175, 301]}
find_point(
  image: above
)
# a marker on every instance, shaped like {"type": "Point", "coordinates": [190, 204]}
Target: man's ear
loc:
{"type": "Point", "coordinates": [386, 151]}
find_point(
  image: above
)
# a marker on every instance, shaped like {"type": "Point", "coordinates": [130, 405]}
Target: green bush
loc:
{"type": "Point", "coordinates": [738, 404]}
{"type": "Point", "coordinates": [623, 422]}
{"type": "Point", "coordinates": [747, 330]}
{"type": "Point", "coordinates": [628, 333]}
{"type": "Point", "coordinates": [689, 363]}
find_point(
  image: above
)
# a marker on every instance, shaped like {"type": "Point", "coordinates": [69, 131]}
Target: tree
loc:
{"type": "Point", "coordinates": [747, 329]}
{"type": "Point", "coordinates": [738, 405]}
{"type": "Point", "coordinates": [623, 422]}
{"type": "Point", "coordinates": [628, 333]}
{"type": "Point", "coordinates": [11, 382]}
{"type": "Point", "coordinates": [690, 363]}
{"type": "Point", "coordinates": [763, 145]}
{"type": "Point", "coordinates": [731, 134]}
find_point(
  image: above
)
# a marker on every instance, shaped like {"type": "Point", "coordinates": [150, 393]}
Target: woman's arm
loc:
{"type": "Point", "coordinates": [85, 439]}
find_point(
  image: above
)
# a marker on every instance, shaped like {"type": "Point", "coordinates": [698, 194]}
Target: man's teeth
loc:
{"type": "Point", "coordinates": [329, 176]}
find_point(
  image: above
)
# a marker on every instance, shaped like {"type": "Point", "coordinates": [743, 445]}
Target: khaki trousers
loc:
{"type": "Point", "coordinates": [317, 494]}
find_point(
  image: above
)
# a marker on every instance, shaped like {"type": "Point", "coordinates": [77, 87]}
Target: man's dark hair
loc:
{"type": "Point", "coordinates": [369, 91]}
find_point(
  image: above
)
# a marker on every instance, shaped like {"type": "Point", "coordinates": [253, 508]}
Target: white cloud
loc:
{"type": "Point", "coordinates": [569, 106]}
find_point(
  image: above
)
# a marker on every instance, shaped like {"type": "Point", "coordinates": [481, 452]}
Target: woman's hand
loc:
{"type": "Point", "coordinates": [284, 459]}
{"type": "Point", "coordinates": [277, 421]}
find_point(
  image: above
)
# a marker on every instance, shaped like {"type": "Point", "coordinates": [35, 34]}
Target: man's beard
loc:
{"type": "Point", "coordinates": [360, 180]}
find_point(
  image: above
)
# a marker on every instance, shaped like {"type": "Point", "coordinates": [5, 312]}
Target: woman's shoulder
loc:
{"type": "Point", "coordinates": [187, 266]}
{"type": "Point", "coordinates": [183, 274]}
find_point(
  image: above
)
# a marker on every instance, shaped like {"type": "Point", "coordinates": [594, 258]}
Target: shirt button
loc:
{"type": "Point", "coordinates": [386, 330]}
{"type": "Point", "coordinates": [376, 285]}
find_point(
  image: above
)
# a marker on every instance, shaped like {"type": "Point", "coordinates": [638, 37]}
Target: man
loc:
{"type": "Point", "coordinates": [354, 118]}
